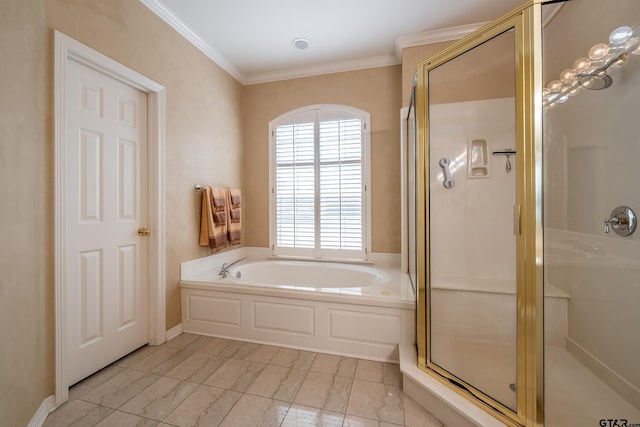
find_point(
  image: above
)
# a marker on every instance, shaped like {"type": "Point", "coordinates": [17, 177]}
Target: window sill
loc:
{"type": "Point", "coordinates": [307, 258]}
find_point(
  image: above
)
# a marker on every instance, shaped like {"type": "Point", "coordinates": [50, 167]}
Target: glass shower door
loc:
{"type": "Point", "coordinates": [472, 197]}
{"type": "Point", "coordinates": [479, 218]}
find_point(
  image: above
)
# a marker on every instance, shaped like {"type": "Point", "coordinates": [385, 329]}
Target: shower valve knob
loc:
{"type": "Point", "coordinates": [615, 221]}
{"type": "Point", "coordinates": [623, 221]}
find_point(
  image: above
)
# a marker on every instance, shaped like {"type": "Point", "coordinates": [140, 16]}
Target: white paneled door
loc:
{"type": "Point", "coordinates": [106, 220]}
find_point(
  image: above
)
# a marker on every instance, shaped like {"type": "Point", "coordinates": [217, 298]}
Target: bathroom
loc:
{"type": "Point", "coordinates": [196, 137]}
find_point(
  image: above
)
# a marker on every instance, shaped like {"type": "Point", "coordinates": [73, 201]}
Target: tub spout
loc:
{"type": "Point", "coordinates": [224, 270]}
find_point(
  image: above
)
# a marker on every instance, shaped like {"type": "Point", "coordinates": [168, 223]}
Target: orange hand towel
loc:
{"type": "Point", "coordinates": [213, 224]}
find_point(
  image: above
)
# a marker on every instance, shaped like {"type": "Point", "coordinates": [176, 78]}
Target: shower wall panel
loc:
{"type": "Point", "coordinates": [472, 220]}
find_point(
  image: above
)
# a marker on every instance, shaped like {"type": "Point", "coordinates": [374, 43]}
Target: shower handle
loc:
{"type": "Point", "coordinates": [615, 221]}
{"type": "Point", "coordinates": [622, 220]}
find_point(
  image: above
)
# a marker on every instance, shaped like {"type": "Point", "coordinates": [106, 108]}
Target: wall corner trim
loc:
{"type": "Point", "coordinates": [174, 332]}
{"type": "Point", "coordinates": [47, 406]}
{"type": "Point", "coordinates": [434, 36]}
{"type": "Point", "coordinates": [185, 31]}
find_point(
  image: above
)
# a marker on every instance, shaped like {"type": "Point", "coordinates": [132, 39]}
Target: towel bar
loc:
{"type": "Point", "coordinates": [197, 187]}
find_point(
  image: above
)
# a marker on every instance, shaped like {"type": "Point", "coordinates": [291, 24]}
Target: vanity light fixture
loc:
{"type": "Point", "coordinates": [591, 72]}
{"type": "Point", "coordinates": [301, 43]}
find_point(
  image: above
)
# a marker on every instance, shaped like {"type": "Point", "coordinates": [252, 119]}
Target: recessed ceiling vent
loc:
{"type": "Point", "coordinates": [301, 43]}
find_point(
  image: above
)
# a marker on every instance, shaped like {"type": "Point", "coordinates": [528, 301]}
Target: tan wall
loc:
{"type": "Point", "coordinates": [485, 72]}
{"type": "Point", "coordinates": [411, 57]}
{"type": "Point", "coordinates": [203, 111]}
{"type": "Point", "coordinates": [26, 224]}
{"type": "Point", "coordinates": [203, 146]}
{"type": "Point", "coordinates": [374, 90]}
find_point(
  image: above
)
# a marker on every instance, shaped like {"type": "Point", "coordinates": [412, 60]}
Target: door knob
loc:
{"type": "Point", "coordinates": [143, 231]}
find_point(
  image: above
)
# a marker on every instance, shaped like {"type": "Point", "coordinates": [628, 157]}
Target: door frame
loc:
{"type": "Point", "coordinates": [68, 49]}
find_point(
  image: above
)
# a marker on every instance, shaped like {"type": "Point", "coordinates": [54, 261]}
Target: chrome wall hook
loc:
{"type": "Point", "coordinates": [506, 152]}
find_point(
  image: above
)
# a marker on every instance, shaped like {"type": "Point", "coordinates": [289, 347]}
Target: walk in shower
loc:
{"type": "Point", "coordinates": [591, 70]}
{"type": "Point", "coordinates": [528, 267]}
{"type": "Point", "coordinates": [479, 220]}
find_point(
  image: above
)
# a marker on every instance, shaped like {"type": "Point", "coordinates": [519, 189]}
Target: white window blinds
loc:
{"type": "Point", "coordinates": [295, 185]}
{"type": "Point", "coordinates": [319, 186]}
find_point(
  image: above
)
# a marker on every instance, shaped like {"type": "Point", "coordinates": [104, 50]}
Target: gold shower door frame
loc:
{"type": "Point", "coordinates": [525, 21]}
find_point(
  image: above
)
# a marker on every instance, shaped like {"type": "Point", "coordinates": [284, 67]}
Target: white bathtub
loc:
{"type": "Point", "coordinates": [353, 310]}
{"type": "Point", "coordinates": [306, 274]}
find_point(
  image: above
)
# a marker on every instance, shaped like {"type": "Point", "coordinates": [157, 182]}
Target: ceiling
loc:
{"type": "Point", "coordinates": [253, 39]}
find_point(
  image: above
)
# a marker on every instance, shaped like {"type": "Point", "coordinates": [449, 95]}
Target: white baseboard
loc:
{"type": "Point", "coordinates": [46, 407]}
{"type": "Point", "coordinates": [623, 387]}
{"type": "Point", "coordinates": [174, 332]}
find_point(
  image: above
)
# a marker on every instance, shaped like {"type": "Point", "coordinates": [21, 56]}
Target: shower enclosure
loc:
{"type": "Point", "coordinates": [591, 70]}
{"type": "Point", "coordinates": [528, 261]}
{"type": "Point", "coordinates": [479, 217]}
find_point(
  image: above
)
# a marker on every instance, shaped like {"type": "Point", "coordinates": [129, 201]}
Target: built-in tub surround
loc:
{"type": "Point", "coordinates": [357, 310]}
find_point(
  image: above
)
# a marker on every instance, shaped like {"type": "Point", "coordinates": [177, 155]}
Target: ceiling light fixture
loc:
{"type": "Point", "coordinates": [301, 43]}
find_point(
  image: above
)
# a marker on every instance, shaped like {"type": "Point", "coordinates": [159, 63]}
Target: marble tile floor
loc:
{"type": "Point", "coordinates": [195, 380]}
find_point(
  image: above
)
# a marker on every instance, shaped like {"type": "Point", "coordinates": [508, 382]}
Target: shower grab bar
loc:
{"type": "Point", "coordinates": [448, 181]}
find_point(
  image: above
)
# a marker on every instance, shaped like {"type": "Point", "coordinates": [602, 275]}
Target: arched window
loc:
{"type": "Point", "coordinates": [319, 172]}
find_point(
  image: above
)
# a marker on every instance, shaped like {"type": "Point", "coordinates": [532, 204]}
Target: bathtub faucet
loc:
{"type": "Point", "coordinates": [224, 270]}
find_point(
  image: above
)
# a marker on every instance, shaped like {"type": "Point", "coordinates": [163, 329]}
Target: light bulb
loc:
{"type": "Point", "coordinates": [581, 64]}
{"type": "Point", "coordinates": [567, 75]}
{"type": "Point", "coordinates": [554, 85]}
{"type": "Point", "coordinates": [634, 42]}
{"type": "Point", "coordinates": [563, 99]}
{"type": "Point", "coordinates": [620, 35]}
{"type": "Point", "coordinates": [598, 51]}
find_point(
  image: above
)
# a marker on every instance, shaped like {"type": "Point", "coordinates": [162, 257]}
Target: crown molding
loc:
{"type": "Point", "coordinates": [402, 42]}
{"type": "Point", "coordinates": [320, 69]}
{"type": "Point", "coordinates": [185, 31]}
{"type": "Point", "coordinates": [434, 36]}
